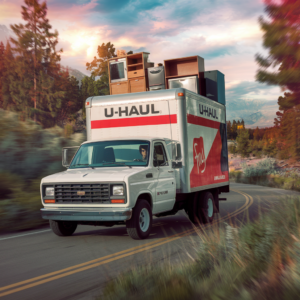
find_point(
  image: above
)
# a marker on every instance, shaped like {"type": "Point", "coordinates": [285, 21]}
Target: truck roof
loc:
{"type": "Point", "coordinates": [134, 97]}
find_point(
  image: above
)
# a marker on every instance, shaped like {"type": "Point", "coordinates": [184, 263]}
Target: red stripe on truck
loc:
{"type": "Point", "coordinates": [191, 119]}
{"type": "Point", "coordinates": [128, 122]}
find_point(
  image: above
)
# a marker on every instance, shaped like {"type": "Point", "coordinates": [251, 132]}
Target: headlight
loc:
{"type": "Point", "coordinates": [50, 191]}
{"type": "Point", "coordinates": [118, 190]}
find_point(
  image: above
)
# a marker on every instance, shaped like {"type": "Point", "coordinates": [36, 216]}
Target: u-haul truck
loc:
{"type": "Point", "coordinates": [147, 154]}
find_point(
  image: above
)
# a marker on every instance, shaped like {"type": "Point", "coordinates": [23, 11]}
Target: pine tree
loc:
{"type": "Point", "coordinates": [229, 129]}
{"type": "Point", "coordinates": [1, 72]}
{"type": "Point", "coordinates": [37, 64]}
{"type": "Point", "coordinates": [9, 80]}
{"type": "Point", "coordinates": [282, 38]}
{"type": "Point", "coordinates": [243, 142]}
{"type": "Point", "coordinates": [256, 134]}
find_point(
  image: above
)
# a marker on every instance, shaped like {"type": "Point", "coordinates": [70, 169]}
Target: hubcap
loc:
{"type": "Point", "coordinates": [210, 209]}
{"type": "Point", "coordinates": [144, 219]}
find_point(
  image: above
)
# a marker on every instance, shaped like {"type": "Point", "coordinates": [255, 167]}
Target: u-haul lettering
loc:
{"type": "Point", "coordinates": [131, 111]}
{"type": "Point", "coordinates": [128, 110]}
{"type": "Point", "coordinates": [208, 111]}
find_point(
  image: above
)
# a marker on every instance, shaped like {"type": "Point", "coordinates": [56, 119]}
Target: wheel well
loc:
{"type": "Point", "coordinates": [146, 197]}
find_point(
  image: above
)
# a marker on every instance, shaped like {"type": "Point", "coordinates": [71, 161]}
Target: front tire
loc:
{"type": "Point", "coordinates": [63, 228]}
{"type": "Point", "coordinates": [140, 224]}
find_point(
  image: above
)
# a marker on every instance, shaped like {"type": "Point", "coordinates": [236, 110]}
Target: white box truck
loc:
{"type": "Point", "coordinates": [147, 154]}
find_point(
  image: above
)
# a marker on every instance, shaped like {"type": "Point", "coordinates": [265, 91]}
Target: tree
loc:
{"type": "Point", "coordinates": [99, 66]}
{"type": "Point", "coordinates": [37, 63]}
{"type": "Point", "coordinates": [256, 134]}
{"type": "Point", "coordinates": [10, 77]}
{"type": "Point", "coordinates": [282, 38]}
{"type": "Point", "coordinates": [91, 87]}
{"type": "Point", "coordinates": [229, 134]}
{"type": "Point", "coordinates": [1, 72]}
{"type": "Point", "coordinates": [243, 142]}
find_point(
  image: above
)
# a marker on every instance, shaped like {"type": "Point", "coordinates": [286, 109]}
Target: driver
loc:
{"type": "Point", "coordinates": [144, 151]}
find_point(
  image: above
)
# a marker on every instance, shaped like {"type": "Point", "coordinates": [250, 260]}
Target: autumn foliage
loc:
{"type": "Point", "coordinates": [282, 67]}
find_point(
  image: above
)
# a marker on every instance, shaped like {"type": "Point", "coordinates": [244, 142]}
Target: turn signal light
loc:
{"type": "Point", "coordinates": [50, 201]}
{"type": "Point", "coordinates": [180, 94]}
{"type": "Point", "coordinates": [88, 103]}
{"type": "Point", "coordinates": [117, 201]}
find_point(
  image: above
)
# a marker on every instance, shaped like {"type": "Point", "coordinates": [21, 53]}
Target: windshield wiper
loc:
{"type": "Point", "coordinates": [117, 163]}
{"type": "Point", "coordinates": [84, 165]}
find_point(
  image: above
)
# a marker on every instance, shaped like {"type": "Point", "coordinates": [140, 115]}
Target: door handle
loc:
{"type": "Point", "coordinates": [149, 175]}
{"type": "Point", "coordinates": [170, 171]}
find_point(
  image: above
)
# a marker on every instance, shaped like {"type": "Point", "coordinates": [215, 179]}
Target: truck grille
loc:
{"type": "Point", "coordinates": [94, 193]}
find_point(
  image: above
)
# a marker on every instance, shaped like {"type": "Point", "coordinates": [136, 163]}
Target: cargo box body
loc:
{"type": "Point", "coordinates": [196, 122]}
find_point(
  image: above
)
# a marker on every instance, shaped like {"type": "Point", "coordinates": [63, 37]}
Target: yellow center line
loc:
{"type": "Point", "coordinates": [112, 257]}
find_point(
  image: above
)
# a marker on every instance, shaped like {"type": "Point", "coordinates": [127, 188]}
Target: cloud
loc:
{"type": "Point", "coordinates": [247, 90]}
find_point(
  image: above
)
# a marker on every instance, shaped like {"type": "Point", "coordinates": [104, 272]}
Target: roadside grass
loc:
{"type": "Point", "coordinates": [258, 260]}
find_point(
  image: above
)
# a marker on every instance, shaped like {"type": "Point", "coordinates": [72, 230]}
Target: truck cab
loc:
{"type": "Point", "coordinates": [106, 179]}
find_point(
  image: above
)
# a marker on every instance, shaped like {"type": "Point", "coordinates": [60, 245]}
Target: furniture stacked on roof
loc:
{"type": "Point", "coordinates": [133, 73]}
{"type": "Point", "coordinates": [127, 74]}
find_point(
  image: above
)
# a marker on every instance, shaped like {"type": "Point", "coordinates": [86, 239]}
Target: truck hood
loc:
{"type": "Point", "coordinates": [88, 175]}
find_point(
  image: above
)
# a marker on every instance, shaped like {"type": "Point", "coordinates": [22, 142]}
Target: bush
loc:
{"type": "Point", "coordinates": [28, 153]}
{"type": "Point", "coordinates": [232, 149]}
{"type": "Point", "coordinates": [262, 168]}
{"type": "Point", "coordinates": [20, 203]}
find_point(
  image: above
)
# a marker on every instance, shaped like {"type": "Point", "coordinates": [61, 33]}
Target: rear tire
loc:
{"type": "Point", "coordinates": [206, 208]}
{"type": "Point", "coordinates": [140, 224]}
{"type": "Point", "coordinates": [63, 228]}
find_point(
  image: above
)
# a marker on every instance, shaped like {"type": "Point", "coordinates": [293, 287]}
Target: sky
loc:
{"type": "Point", "coordinates": [226, 33]}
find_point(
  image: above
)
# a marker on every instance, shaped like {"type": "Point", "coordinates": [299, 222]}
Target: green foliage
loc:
{"type": "Point", "coordinates": [28, 154]}
{"type": "Point", "coordinates": [235, 175]}
{"type": "Point", "coordinates": [282, 39]}
{"type": "Point", "coordinates": [91, 87]}
{"type": "Point", "coordinates": [262, 168]}
{"type": "Point", "coordinates": [1, 72]}
{"type": "Point", "coordinates": [260, 260]}
{"type": "Point", "coordinates": [99, 67]}
{"type": "Point", "coordinates": [243, 142]}
{"type": "Point", "coordinates": [34, 90]}
{"type": "Point", "coordinates": [232, 149]}
{"type": "Point", "coordinates": [28, 150]}
{"type": "Point", "coordinates": [19, 204]}
{"type": "Point", "coordinates": [32, 82]}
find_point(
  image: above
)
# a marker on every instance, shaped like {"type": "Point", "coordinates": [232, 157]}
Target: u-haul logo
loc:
{"type": "Point", "coordinates": [128, 111]}
{"type": "Point", "coordinates": [199, 155]}
{"type": "Point", "coordinates": [208, 111]}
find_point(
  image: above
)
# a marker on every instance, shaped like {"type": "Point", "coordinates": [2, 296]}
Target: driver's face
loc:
{"type": "Point", "coordinates": [144, 153]}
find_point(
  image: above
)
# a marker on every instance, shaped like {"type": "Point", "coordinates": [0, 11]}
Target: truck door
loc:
{"type": "Point", "coordinates": [166, 183]}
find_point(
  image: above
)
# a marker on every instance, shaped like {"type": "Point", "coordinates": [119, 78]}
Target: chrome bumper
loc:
{"type": "Point", "coordinates": [83, 214]}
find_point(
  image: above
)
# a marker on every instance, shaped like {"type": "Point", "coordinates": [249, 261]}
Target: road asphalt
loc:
{"type": "Point", "coordinates": [40, 265]}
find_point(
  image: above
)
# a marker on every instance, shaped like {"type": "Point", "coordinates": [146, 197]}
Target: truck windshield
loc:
{"type": "Point", "coordinates": [112, 154]}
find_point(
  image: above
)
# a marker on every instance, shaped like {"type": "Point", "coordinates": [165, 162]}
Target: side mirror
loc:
{"type": "Point", "coordinates": [67, 155]}
{"type": "Point", "coordinates": [178, 155]}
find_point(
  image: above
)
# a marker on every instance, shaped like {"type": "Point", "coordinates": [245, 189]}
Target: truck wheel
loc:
{"type": "Point", "coordinates": [206, 208]}
{"type": "Point", "coordinates": [139, 226]}
{"type": "Point", "coordinates": [63, 228]}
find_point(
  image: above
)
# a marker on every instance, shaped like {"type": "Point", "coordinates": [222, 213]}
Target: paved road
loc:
{"type": "Point", "coordinates": [41, 265]}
